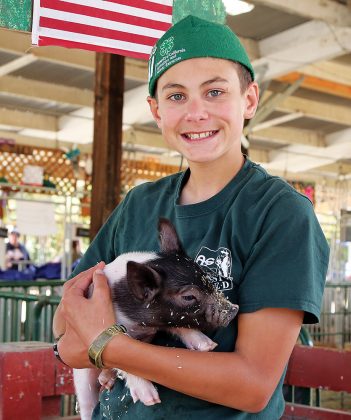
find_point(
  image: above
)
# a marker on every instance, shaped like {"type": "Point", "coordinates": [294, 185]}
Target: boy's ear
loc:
{"type": "Point", "coordinates": [154, 109]}
{"type": "Point", "coordinates": [251, 100]}
{"type": "Point", "coordinates": [143, 281]}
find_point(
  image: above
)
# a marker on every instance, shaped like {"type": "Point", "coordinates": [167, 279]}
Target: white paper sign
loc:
{"type": "Point", "coordinates": [33, 175]}
{"type": "Point", "coordinates": [36, 219]}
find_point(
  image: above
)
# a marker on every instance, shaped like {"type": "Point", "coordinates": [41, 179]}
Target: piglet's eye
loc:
{"type": "Point", "coordinates": [188, 298]}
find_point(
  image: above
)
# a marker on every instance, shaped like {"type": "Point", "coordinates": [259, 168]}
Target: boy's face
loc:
{"type": "Point", "coordinates": [200, 109]}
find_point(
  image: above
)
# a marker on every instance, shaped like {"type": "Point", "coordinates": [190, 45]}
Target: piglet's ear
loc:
{"type": "Point", "coordinates": [169, 241]}
{"type": "Point", "coordinates": [143, 281]}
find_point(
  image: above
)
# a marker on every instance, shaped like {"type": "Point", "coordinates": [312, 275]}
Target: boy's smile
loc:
{"type": "Point", "coordinates": [201, 111]}
{"type": "Point", "coordinates": [199, 136]}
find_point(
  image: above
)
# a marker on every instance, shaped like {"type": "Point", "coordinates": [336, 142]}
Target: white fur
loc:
{"type": "Point", "coordinates": [117, 269]}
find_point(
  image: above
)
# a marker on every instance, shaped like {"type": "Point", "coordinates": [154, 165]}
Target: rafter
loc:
{"type": "Point", "coordinates": [318, 84]}
{"type": "Point", "coordinates": [27, 119]}
{"type": "Point", "coordinates": [329, 70]}
{"type": "Point", "coordinates": [327, 10]}
{"type": "Point", "coordinates": [43, 91]}
{"type": "Point", "coordinates": [298, 158]}
{"type": "Point", "coordinates": [300, 46]}
{"type": "Point", "coordinates": [288, 135]}
{"type": "Point", "coordinates": [314, 109]}
{"type": "Point", "coordinates": [16, 64]}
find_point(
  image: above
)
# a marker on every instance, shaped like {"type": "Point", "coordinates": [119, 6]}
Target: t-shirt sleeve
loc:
{"type": "Point", "coordinates": [288, 262]}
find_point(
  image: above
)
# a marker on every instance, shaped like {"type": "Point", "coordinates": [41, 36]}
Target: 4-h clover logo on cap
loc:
{"type": "Point", "coordinates": [166, 46]}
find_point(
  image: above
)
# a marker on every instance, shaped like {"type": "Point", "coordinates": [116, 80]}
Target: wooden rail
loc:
{"type": "Point", "coordinates": [32, 381]}
{"type": "Point", "coordinates": [322, 368]}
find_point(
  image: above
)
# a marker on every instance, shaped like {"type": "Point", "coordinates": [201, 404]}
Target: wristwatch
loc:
{"type": "Point", "coordinates": [98, 345]}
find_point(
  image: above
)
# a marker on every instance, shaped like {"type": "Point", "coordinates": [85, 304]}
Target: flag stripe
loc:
{"type": "Point", "coordinates": [98, 5]}
{"type": "Point", "coordinates": [45, 41]}
{"type": "Point", "coordinates": [126, 27]}
{"type": "Point", "coordinates": [96, 40]}
{"type": "Point", "coordinates": [98, 22]}
{"type": "Point", "coordinates": [147, 5]}
{"type": "Point", "coordinates": [96, 31]}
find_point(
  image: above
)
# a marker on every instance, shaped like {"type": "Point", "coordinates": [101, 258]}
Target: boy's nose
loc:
{"type": "Point", "coordinates": [196, 111]}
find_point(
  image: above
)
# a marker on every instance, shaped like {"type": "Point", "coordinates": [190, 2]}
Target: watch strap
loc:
{"type": "Point", "coordinates": [98, 345]}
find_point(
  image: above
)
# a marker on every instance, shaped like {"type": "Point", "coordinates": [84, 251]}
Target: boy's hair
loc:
{"type": "Point", "coordinates": [193, 37]}
{"type": "Point", "coordinates": [245, 77]}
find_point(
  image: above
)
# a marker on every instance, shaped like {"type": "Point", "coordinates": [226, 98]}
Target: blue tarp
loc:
{"type": "Point", "coordinates": [49, 271]}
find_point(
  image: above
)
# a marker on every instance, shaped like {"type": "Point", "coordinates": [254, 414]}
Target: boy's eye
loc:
{"type": "Point", "coordinates": [176, 97]}
{"type": "Point", "coordinates": [214, 92]}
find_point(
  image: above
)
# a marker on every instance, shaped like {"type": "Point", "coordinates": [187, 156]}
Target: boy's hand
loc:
{"type": "Point", "coordinates": [88, 317]}
{"type": "Point", "coordinates": [59, 322]}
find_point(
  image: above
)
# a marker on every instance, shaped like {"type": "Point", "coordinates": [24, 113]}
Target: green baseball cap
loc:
{"type": "Point", "coordinates": [193, 37]}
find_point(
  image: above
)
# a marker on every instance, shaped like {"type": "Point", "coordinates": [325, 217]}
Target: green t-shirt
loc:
{"type": "Point", "coordinates": [260, 241]}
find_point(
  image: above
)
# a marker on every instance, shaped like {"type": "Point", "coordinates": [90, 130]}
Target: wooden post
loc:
{"type": "Point", "coordinates": [107, 147]}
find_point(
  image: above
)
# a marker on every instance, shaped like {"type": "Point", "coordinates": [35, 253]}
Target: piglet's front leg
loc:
{"type": "Point", "coordinates": [107, 378]}
{"type": "Point", "coordinates": [194, 339]}
{"type": "Point", "coordinates": [141, 389]}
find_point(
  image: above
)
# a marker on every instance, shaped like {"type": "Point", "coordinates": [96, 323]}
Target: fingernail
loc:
{"type": "Point", "coordinates": [99, 271]}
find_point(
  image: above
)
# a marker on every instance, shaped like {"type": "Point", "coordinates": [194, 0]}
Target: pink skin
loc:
{"type": "Point", "coordinates": [201, 96]}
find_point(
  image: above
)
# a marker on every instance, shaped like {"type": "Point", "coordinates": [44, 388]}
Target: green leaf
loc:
{"type": "Point", "coordinates": [212, 10]}
{"type": "Point", "coordinates": [16, 14]}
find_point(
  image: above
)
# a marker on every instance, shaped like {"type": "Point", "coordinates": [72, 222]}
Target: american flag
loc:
{"type": "Point", "coordinates": [124, 27]}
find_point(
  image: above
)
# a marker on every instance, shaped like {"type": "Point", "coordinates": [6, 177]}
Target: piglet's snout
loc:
{"type": "Point", "coordinates": [220, 314]}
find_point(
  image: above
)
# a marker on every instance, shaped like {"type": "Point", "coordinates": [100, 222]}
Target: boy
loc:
{"type": "Point", "coordinates": [257, 237]}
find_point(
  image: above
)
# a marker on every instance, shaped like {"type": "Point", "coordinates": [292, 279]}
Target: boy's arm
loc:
{"type": "Point", "coordinates": [244, 379]}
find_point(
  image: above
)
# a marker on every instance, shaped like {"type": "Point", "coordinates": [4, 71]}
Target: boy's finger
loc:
{"type": "Point", "coordinates": [100, 282]}
{"type": "Point", "coordinates": [83, 274]}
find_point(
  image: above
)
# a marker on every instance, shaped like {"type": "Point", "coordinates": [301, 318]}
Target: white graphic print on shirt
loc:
{"type": "Point", "coordinates": [218, 263]}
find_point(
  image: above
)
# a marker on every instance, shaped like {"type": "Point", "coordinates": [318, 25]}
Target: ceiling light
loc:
{"type": "Point", "coordinates": [237, 7]}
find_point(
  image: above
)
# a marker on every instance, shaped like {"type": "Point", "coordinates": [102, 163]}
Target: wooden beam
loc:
{"type": "Point", "coordinates": [337, 168]}
{"type": "Point", "coordinates": [107, 147]}
{"type": "Point", "coordinates": [327, 10]}
{"type": "Point", "coordinates": [43, 91]}
{"type": "Point", "coordinates": [318, 84]}
{"type": "Point", "coordinates": [329, 70]}
{"type": "Point", "coordinates": [17, 64]}
{"type": "Point", "coordinates": [288, 135]}
{"type": "Point", "coordinates": [277, 121]}
{"type": "Point", "coordinates": [259, 155]}
{"type": "Point", "coordinates": [26, 140]}
{"type": "Point", "coordinates": [20, 43]}
{"type": "Point", "coordinates": [300, 46]}
{"type": "Point", "coordinates": [338, 114]}
{"type": "Point", "coordinates": [26, 119]}
{"type": "Point", "coordinates": [144, 138]}
{"type": "Point", "coordinates": [136, 69]}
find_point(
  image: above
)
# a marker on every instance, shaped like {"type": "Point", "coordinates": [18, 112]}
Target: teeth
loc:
{"type": "Point", "coordinates": [196, 136]}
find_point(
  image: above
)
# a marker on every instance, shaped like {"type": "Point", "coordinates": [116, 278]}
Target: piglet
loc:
{"type": "Point", "coordinates": [152, 292]}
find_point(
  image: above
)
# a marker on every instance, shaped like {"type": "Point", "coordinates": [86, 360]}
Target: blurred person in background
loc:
{"type": "Point", "coordinates": [16, 255]}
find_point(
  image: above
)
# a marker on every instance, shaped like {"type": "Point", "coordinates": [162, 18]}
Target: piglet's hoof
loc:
{"type": "Point", "coordinates": [195, 340]}
{"type": "Point", "coordinates": [142, 390]}
{"type": "Point", "coordinates": [107, 378]}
